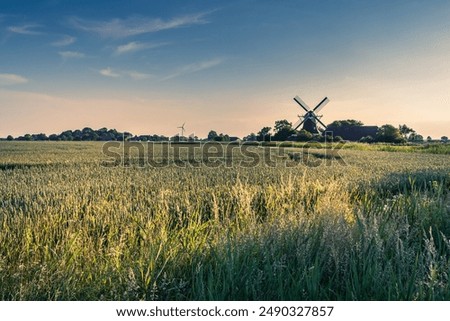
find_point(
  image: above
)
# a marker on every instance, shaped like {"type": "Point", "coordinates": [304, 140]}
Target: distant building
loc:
{"type": "Point", "coordinates": [354, 133]}
{"type": "Point", "coordinates": [234, 139]}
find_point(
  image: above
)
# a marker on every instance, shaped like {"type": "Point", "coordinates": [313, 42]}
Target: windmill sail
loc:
{"type": "Point", "coordinates": [321, 104]}
{"type": "Point", "coordinates": [321, 122]}
{"type": "Point", "coordinates": [302, 103]}
{"type": "Point", "coordinates": [298, 123]}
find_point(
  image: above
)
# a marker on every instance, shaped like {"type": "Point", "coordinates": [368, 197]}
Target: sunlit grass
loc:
{"type": "Point", "coordinates": [70, 229]}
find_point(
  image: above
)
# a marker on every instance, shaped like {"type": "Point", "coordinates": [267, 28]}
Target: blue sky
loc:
{"type": "Point", "coordinates": [234, 66]}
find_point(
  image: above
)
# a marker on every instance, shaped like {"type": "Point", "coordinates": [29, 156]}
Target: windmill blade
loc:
{"type": "Point", "coordinates": [299, 123]}
{"type": "Point", "coordinates": [299, 101]}
{"type": "Point", "coordinates": [321, 104]}
{"type": "Point", "coordinates": [324, 126]}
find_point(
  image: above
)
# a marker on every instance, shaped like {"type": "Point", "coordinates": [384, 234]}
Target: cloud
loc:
{"type": "Point", "coordinates": [129, 47]}
{"type": "Point", "coordinates": [71, 54]}
{"type": "Point", "coordinates": [12, 79]}
{"type": "Point", "coordinates": [132, 26]}
{"type": "Point", "coordinates": [195, 67]}
{"type": "Point", "coordinates": [138, 75]}
{"type": "Point", "coordinates": [108, 72]}
{"type": "Point", "coordinates": [136, 46]}
{"type": "Point", "coordinates": [65, 41]}
{"type": "Point", "coordinates": [25, 29]}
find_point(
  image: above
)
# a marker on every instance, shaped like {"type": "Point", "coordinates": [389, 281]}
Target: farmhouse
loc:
{"type": "Point", "coordinates": [353, 133]}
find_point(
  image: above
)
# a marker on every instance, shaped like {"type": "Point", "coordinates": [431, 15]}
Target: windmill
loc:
{"type": "Point", "coordinates": [310, 119]}
{"type": "Point", "coordinates": [182, 129]}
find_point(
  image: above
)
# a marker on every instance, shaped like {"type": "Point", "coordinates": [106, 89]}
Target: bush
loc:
{"type": "Point", "coordinates": [367, 139]}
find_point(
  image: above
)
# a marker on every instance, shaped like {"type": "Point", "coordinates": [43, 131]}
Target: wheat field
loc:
{"type": "Point", "coordinates": [375, 226]}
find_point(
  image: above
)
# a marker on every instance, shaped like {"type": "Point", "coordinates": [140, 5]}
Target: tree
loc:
{"type": "Point", "coordinates": [415, 138]}
{"type": "Point", "coordinates": [304, 136]}
{"type": "Point", "coordinates": [250, 138]}
{"type": "Point", "coordinates": [88, 134]}
{"type": "Point", "coordinates": [389, 134]}
{"type": "Point", "coordinates": [102, 134]}
{"type": "Point", "coordinates": [281, 124]}
{"type": "Point", "coordinates": [283, 129]}
{"type": "Point", "coordinates": [77, 135]}
{"type": "Point", "coordinates": [444, 139]}
{"type": "Point", "coordinates": [115, 135]}
{"type": "Point", "coordinates": [54, 137]}
{"type": "Point", "coordinates": [66, 135]}
{"type": "Point", "coordinates": [345, 123]}
{"type": "Point", "coordinates": [222, 138]}
{"type": "Point", "coordinates": [212, 135]}
{"type": "Point", "coordinates": [406, 131]}
{"type": "Point", "coordinates": [264, 134]}
{"type": "Point", "coordinates": [284, 134]}
{"type": "Point", "coordinates": [367, 139]}
{"type": "Point", "coordinates": [429, 139]}
{"type": "Point", "coordinates": [9, 138]}
{"type": "Point", "coordinates": [40, 137]}
{"type": "Point", "coordinates": [127, 136]}
{"type": "Point", "coordinates": [350, 129]}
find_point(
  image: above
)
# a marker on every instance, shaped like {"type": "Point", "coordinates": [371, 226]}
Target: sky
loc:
{"type": "Point", "coordinates": [231, 66]}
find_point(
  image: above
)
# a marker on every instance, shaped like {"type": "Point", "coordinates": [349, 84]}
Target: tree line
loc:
{"type": "Point", "coordinates": [89, 134]}
{"type": "Point", "coordinates": [282, 131]}
{"type": "Point", "coordinates": [388, 133]}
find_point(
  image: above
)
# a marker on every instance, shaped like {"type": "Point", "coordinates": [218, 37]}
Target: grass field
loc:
{"type": "Point", "coordinates": [369, 225]}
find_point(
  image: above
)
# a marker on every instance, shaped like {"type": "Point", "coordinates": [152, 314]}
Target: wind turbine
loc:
{"type": "Point", "coordinates": [182, 129]}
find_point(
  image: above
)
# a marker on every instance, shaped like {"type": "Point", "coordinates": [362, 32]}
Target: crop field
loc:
{"type": "Point", "coordinates": [259, 223]}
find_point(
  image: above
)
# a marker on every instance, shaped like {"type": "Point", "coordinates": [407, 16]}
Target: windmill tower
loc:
{"type": "Point", "coordinates": [182, 129]}
{"type": "Point", "coordinates": [310, 119]}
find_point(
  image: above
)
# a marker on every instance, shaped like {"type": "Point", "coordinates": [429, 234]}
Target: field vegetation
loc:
{"type": "Point", "coordinates": [374, 227]}
{"type": "Point", "coordinates": [427, 148]}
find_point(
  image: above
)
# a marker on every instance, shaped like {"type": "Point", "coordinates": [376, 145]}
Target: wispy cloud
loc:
{"type": "Point", "coordinates": [108, 72]}
{"type": "Point", "coordinates": [135, 75]}
{"type": "Point", "coordinates": [12, 79]}
{"type": "Point", "coordinates": [129, 47]}
{"type": "Point", "coordinates": [138, 75]}
{"type": "Point", "coordinates": [195, 67]}
{"type": "Point", "coordinates": [28, 29]}
{"type": "Point", "coordinates": [132, 26]}
{"type": "Point", "coordinates": [65, 41]}
{"type": "Point", "coordinates": [136, 46]}
{"type": "Point", "coordinates": [71, 54]}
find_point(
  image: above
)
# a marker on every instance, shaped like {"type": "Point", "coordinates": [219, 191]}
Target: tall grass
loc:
{"type": "Point", "coordinates": [427, 148]}
{"type": "Point", "coordinates": [377, 229]}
